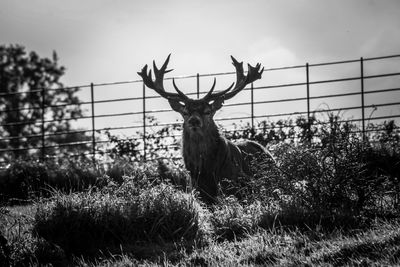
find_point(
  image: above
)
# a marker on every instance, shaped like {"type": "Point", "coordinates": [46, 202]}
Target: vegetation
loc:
{"type": "Point", "coordinates": [331, 202]}
{"type": "Point", "coordinates": [160, 143]}
{"type": "Point", "coordinates": [97, 222]}
{"type": "Point", "coordinates": [331, 197]}
{"type": "Point", "coordinates": [24, 103]}
{"type": "Point", "coordinates": [28, 180]}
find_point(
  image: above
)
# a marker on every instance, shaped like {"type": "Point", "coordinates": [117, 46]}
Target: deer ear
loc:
{"type": "Point", "coordinates": [176, 105]}
{"type": "Point", "coordinates": [217, 104]}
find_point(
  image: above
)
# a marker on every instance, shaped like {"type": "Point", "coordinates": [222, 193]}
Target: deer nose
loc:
{"type": "Point", "coordinates": [194, 122]}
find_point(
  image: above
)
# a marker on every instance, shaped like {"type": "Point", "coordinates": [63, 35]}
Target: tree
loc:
{"type": "Point", "coordinates": [30, 91]}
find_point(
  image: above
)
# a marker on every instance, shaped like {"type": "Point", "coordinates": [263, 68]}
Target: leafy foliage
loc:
{"type": "Point", "coordinates": [335, 180]}
{"type": "Point", "coordinates": [159, 143]}
{"type": "Point", "coordinates": [30, 85]}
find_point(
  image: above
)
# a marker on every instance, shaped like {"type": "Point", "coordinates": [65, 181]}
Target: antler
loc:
{"type": "Point", "coordinates": [157, 85]}
{"type": "Point", "coordinates": [253, 74]}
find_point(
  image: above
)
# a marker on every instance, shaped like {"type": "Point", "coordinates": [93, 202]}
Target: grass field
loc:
{"type": "Point", "coordinates": [378, 245]}
{"type": "Point", "coordinates": [335, 205]}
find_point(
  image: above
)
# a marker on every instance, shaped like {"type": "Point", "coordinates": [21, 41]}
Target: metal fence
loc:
{"type": "Point", "coordinates": [357, 88]}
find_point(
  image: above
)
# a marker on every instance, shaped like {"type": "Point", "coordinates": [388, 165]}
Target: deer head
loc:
{"type": "Point", "coordinates": [198, 113]}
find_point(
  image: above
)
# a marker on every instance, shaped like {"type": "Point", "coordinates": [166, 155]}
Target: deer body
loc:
{"type": "Point", "coordinates": [212, 160]}
{"type": "Point", "coordinates": [207, 154]}
{"type": "Point", "coordinates": [209, 159]}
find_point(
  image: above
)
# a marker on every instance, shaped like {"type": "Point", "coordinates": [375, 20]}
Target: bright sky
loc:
{"type": "Point", "coordinates": [110, 40]}
{"type": "Point", "coordinates": [107, 41]}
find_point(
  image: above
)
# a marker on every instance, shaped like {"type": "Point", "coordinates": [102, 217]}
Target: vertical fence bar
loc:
{"type": "Point", "coordinates": [43, 152]}
{"type": "Point", "coordinates": [308, 101]}
{"type": "Point", "coordinates": [252, 105]}
{"type": "Point", "coordinates": [362, 97]}
{"type": "Point", "coordinates": [93, 124]}
{"type": "Point", "coordinates": [144, 122]}
{"type": "Point", "coordinates": [198, 86]}
{"type": "Point", "coordinates": [308, 91]}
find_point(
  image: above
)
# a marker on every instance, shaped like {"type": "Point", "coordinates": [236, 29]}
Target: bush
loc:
{"type": "Point", "coordinates": [336, 183]}
{"type": "Point", "coordinates": [120, 168]}
{"type": "Point", "coordinates": [158, 143]}
{"type": "Point", "coordinates": [86, 223]}
{"type": "Point", "coordinates": [21, 179]}
{"type": "Point", "coordinates": [24, 180]}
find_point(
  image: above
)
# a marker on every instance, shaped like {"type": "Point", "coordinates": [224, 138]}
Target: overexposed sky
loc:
{"type": "Point", "coordinates": [107, 41]}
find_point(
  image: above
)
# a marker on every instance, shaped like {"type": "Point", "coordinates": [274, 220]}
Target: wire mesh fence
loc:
{"type": "Point", "coordinates": [363, 91]}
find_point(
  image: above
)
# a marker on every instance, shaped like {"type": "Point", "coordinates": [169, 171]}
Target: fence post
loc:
{"type": "Point", "coordinates": [198, 86]}
{"type": "Point", "coordinates": [308, 91]}
{"type": "Point", "coordinates": [252, 105]}
{"type": "Point", "coordinates": [308, 102]}
{"type": "Point", "coordinates": [362, 97]}
{"type": "Point", "coordinates": [93, 124]}
{"type": "Point", "coordinates": [144, 122]}
{"type": "Point", "coordinates": [43, 154]}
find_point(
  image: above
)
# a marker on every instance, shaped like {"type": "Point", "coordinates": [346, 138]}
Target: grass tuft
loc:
{"type": "Point", "coordinates": [232, 221]}
{"type": "Point", "coordinates": [112, 222]}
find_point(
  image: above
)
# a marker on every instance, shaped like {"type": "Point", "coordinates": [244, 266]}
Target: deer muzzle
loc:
{"type": "Point", "coordinates": [195, 122]}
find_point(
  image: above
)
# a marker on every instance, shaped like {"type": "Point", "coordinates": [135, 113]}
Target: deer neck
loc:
{"type": "Point", "coordinates": [198, 148]}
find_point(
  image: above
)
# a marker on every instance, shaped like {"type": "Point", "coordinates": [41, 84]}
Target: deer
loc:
{"type": "Point", "coordinates": [207, 154]}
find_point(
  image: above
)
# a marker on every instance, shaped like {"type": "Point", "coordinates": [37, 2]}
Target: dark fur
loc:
{"type": "Point", "coordinates": [210, 158]}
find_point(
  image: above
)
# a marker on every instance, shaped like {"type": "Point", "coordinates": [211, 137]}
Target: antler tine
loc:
{"type": "Point", "coordinates": [209, 94]}
{"type": "Point", "coordinates": [213, 86]}
{"type": "Point", "coordinates": [179, 91]}
{"type": "Point", "coordinates": [159, 73]}
{"type": "Point", "coordinates": [157, 84]}
{"type": "Point", "coordinates": [253, 74]}
{"type": "Point", "coordinates": [239, 70]}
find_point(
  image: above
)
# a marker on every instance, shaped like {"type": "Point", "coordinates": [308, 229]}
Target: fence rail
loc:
{"type": "Point", "coordinates": [89, 146]}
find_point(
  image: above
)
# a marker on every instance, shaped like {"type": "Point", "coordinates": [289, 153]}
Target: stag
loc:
{"type": "Point", "coordinates": [208, 155]}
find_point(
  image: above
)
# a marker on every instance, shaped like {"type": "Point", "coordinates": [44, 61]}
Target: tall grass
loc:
{"type": "Point", "coordinates": [120, 219]}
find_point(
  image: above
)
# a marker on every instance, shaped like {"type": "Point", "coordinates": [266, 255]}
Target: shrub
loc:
{"type": "Point", "coordinates": [122, 168]}
{"type": "Point", "coordinates": [158, 143]}
{"type": "Point", "coordinates": [329, 185]}
{"type": "Point", "coordinates": [24, 180]}
{"type": "Point", "coordinates": [162, 170]}
{"type": "Point", "coordinates": [336, 183]}
{"type": "Point", "coordinates": [21, 179]}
